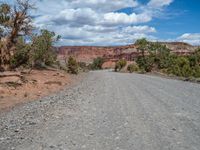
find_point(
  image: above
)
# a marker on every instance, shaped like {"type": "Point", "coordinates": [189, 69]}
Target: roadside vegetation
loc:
{"type": "Point", "coordinates": [72, 66]}
{"type": "Point", "coordinates": [133, 68]}
{"type": "Point", "coordinates": [29, 67]}
{"type": "Point", "coordinates": [24, 46]}
{"type": "Point", "coordinates": [97, 63]}
{"type": "Point", "coordinates": [21, 44]}
{"type": "Point", "coordinates": [157, 57]}
{"type": "Point", "coordinates": [120, 65]}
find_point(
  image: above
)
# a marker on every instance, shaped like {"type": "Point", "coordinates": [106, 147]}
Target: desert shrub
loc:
{"type": "Point", "coordinates": [157, 56]}
{"type": "Point", "coordinates": [181, 67]}
{"type": "Point", "coordinates": [133, 68]}
{"type": "Point", "coordinates": [196, 71]}
{"type": "Point", "coordinates": [43, 51]}
{"type": "Point", "coordinates": [194, 58]}
{"type": "Point", "coordinates": [146, 63]}
{"type": "Point", "coordinates": [187, 66]}
{"type": "Point", "coordinates": [175, 70]}
{"type": "Point", "coordinates": [72, 65]}
{"type": "Point", "coordinates": [83, 66]}
{"type": "Point", "coordinates": [142, 46]}
{"type": "Point", "coordinates": [182, 61]}
{"type": "Point", "coordinates": [150, 61]}
{"type": "Point", "coordinates": [97, 63]}
{"type": "Point", "coordinates": [187, 71]}
{"type": "Point", "coordinates": [120, 65]}
{"type": "Point", "coordinates": [16, 22]}
{"type": "Point", "coordinates": [21, 57]}
{"type": "Point", "coordinates": [163, 58]}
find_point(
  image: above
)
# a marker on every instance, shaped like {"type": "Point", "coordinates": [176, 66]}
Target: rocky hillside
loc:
{"type": "Point", "coordinates": [88, 53]}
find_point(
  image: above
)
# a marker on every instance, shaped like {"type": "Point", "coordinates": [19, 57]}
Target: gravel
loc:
{"type": "Point", "coordinates": [108, 111]}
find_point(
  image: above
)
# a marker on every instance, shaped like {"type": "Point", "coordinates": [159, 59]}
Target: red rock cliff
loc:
{"type": "Point", "coordinates": [88, 53]}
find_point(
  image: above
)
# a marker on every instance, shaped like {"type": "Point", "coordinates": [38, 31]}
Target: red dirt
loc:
{"type": "Point", "coordinates": [39, 83]}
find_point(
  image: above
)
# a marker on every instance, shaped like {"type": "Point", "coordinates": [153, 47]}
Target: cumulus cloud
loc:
{"type": "Point", "coordinates": [113, 38]}
{"type": "Point", "coordinates": [192, 38]}
{"type": "Point", "coordinates": [97, 22]}
{"type": "Point", "coordinates": [103, 5]}
{"type": "Point", "coordinates": [159, 3]}
{"type": "Point", "coordinates": [98, 5]}
{"type": "Point", "coordinates": [139, 29]}
{"type": "Point", "coordinates": [76, 17]}
{"type": "Point", "coordinates": [123, 18]}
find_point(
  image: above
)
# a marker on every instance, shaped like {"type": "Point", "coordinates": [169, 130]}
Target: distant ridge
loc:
{"type": "Point", "coordinates": [88, 53]}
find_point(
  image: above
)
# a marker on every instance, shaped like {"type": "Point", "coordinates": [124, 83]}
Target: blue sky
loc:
{"type": "Point", "coordinates": [119, 22]}
{"type": "Point", "coordinates": [183, 19]}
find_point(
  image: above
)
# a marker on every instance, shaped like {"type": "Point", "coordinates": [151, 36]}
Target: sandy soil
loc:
{"type": "Point", "coordinates": [38, 83]}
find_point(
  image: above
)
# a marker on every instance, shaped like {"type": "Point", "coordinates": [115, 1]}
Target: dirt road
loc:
{"type": "Point", "coordinates": [108, 111]}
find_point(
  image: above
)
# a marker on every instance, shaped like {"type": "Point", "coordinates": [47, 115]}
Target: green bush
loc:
{"type": "Point", "coordinates": [72, 66]}
{"type": "Point", "coordinates": [175, 70]}
{"type": "Point", "coordinates": [196, 71]}
{"type": "Point", "coordinates": [182, 61]}
{"type": "Point", "coordinates": [158, 56]}
{"type": "Point", "coordinates": [43, 51]}
{"type": "Point", "coordinates": [187, 71]}
{"type": "Point", "coordinates": [194, 58]}
{"type": "Point", "coordinates": [120, 65]}
{"type": "Point", "coordinates": [21, 56]}
{"type": "Point", "coordinates": [181, 67]}
{"type": "Point", "coordinates": [163, 58]}
{"type": "Point", "coordinates": [146, 63]}
{"type": "Point", "coordinates": [133, 68]}
{"type": "Point", "coordinates": [97, 63]}
{"type": "Point", "coordinates": [142, 47]}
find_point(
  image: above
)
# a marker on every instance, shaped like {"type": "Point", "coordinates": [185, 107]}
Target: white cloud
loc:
{"type": "Point", "coordinates": [159, 3]}
{"type": "Point", "coordinates": [96, 22]}
{"type": "Point", "coordinates": [78, 17]}
{"type": "Point", "coordinates": [88, 16]}
{"type": "Point", "coordinates": [103, 5]}
{"type": "Point", "coordinates": [98, 5]}
{"type": "Point", "coordinates": [139, 29]}
{"type": "Point", "coordinates": [99, 35]}
{"type": "Point", "coordinates": [99, 29]}
{"type": "Point", "coordinates": [122, 18]}
{"type": "Point", "coordinates": [113, 38]}
{"type": "Point", "coordinates": [192, 38]}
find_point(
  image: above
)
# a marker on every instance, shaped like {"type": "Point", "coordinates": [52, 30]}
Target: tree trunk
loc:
{"type": "Point", "coordinates": [6, 52]}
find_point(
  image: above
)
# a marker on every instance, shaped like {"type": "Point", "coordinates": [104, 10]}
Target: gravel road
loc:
{"type": "Point", "coordinates": [108, 111]}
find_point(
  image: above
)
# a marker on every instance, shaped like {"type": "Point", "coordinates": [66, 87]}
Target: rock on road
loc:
{"type": "Point", "coordinates": [108, 111]}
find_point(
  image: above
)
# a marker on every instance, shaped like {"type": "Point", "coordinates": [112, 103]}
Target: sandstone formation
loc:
{"type": "Point", "coordinates": [114, 53]}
